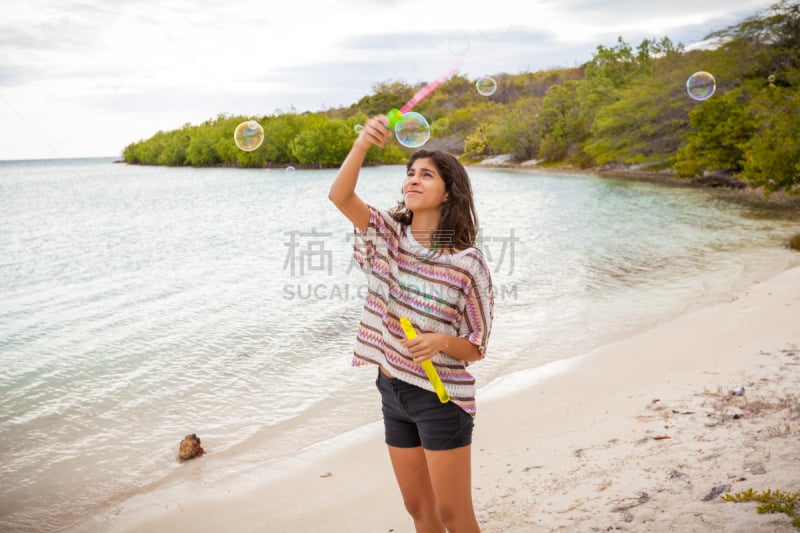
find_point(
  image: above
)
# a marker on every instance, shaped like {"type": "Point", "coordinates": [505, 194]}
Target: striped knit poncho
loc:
{"type": "Point", "coordinates": [444, 293]}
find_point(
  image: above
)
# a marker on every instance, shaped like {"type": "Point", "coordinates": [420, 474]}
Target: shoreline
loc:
{"type": "Point", "coordinates": [725, 184]}
{"type": "Point", "coordinates": [607, 439]}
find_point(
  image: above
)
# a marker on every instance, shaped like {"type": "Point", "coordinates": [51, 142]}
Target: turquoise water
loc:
{"type": "Point", "coordinates": [144, 303]}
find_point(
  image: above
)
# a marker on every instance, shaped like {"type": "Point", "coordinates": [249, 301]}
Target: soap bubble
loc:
{"type": "Point", "coordinates": [701, 85]}
{"type": "Point", "coordinates": [357, 128]}
{"type": "Point", "coordinates": [248, 135]}
{"type": "Point", "coordinates": [458, 43]}
{"type": "Point", "coordinates": [497, 33]}
{"type": "Point", "coordinates": [290, 169]}
{"type": "Point", "coordinates": [413, 130]}
{"type": "Point", "coordinates": [486, 85]}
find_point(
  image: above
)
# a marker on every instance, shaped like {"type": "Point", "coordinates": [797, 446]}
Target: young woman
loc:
{"type": "Point", "coordinates": [421, 263]}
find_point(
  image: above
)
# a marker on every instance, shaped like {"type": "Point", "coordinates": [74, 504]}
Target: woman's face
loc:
{"type": "Point", "coordinates": [424, 187]}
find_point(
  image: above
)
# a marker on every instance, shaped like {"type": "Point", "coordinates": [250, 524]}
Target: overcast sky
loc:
{"type": "Point", "coordinates": [83, 78]}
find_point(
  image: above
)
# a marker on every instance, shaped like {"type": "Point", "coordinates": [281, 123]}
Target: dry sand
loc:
{"type": "Point", "coordinates": [639, 435]}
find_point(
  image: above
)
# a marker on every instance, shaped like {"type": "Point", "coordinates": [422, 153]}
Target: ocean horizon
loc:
{"type": "Point", "coordinates": [141, 304]}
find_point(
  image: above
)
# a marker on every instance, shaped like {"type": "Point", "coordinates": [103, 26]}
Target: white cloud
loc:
{"type": "Point", "coordinates": [87, 77]}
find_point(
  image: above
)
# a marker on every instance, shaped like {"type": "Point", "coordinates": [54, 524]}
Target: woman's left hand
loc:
{"type": "Point", "coordinates": [424, 346]}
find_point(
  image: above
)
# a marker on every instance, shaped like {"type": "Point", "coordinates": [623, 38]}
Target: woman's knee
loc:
{"type": "Point", "coordinates": [454, 515]}
{"type": "Point", "coordinates": [418, 507]}
{"type": "Point", "coordinates": [447, 513]}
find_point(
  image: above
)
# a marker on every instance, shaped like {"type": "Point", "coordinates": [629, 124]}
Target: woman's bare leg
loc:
{"type": "Point", "coordinates": [451, 479]}
{"type": "Point", "coordinates": [411, 471]}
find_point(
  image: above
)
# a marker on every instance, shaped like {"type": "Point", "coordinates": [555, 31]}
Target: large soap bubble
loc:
{"type": "Point", "coordinates": [412, 131]}
{"type": "Point", "coordinates": [248, 135]}
{"type": "Point", "coordinates": [701, 85]}
{"type": "Point", "coordinates": [486, 85]}
{"type": "Point", "coordinates": [458, 43]}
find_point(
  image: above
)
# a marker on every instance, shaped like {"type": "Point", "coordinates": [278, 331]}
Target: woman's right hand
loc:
{"type": "Point", "coordinates": [376, 131]}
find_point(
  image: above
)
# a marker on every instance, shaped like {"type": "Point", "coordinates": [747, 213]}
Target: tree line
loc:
{"type": "Point", "coordinates": [626, 106]}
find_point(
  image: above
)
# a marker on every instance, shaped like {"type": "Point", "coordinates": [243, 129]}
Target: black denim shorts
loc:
{"type": "Point", "coordinates": [415, 417]}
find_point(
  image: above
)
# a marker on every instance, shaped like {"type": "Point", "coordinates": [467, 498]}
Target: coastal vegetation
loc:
{"type": "Point", "coordinates": [771, 501]}
{"type": "Point", "coordinates": [625, 108]}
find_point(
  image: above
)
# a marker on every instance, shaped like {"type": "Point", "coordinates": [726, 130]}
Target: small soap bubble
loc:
{"type": "Point", "coordinates": [701, 85]}
{"type": "Point", "coordinates": [771, 78]}
{"type": "Point", "coordinates": [412, 131]}
{"type": "Point", "coordinates": [358, 128]}
{"type": "Point", "coordinates": [496, 33]}
{"type": "Point", "coordinates": [248, 135]}
{"type": "Point", "coordinates": [486, 85]}
{"type": "Point", "coordinates": [290, 169]}
{"type": "Point", "coordinates": [458, 43]}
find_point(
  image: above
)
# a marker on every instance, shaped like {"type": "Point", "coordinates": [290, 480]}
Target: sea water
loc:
{"type": "Point", "coordinates": [140, 304]}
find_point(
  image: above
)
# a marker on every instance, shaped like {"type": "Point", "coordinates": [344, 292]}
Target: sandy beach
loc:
{"type": "Point", "coordinates": [639, 435]}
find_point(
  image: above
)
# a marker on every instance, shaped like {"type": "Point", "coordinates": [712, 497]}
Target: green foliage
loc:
{"type": "Point", "coordinates": [625, 106]}
{"type": "Point", "coordinates": [456, 93]}
{"type": "Point", "coordinates": [323, 143]}
{"type": "Point", "coordinates": [719, 131]}
{"type": "Point", "coordinates": [646, 123]}
{"type": "Point", "coordinates": [618, 64]}
{"type": "Point", "coordinates": [772, 501]}
{"type": "Point", "coordinates": [516, 129]}
{"type": "Point", "coordinates": [779, 26]}
{"type": "Point", "coordinates": [387, 95]}
{"type": "Point", "coordinates": [278, 133]}
{"type": "Point", "coordinates": [200, 151]}
{"type": "Point", "coordinates": [476, 143]}
{"type": "Point", "coordinates": [772, 154]}
{"type": "Point", "coordinates": [559, 116]}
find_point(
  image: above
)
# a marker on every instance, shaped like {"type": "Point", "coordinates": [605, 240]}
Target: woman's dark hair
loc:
{"type": "Point", "coordinates": [458, 224]}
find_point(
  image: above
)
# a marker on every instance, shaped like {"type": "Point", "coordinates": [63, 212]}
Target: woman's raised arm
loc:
{"type": "Point", "coordinates": [343, 189]}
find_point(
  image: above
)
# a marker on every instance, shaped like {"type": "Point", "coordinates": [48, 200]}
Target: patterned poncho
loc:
{"type": "Point", "coordinates": [444, 293]}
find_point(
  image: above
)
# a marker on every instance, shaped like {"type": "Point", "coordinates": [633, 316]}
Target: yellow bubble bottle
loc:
{"type": "Point", "coordinates": [433, 376]}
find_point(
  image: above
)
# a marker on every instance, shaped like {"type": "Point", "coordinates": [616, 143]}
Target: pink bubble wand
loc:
{"type": "Point", "coordinates": [394, 115]}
